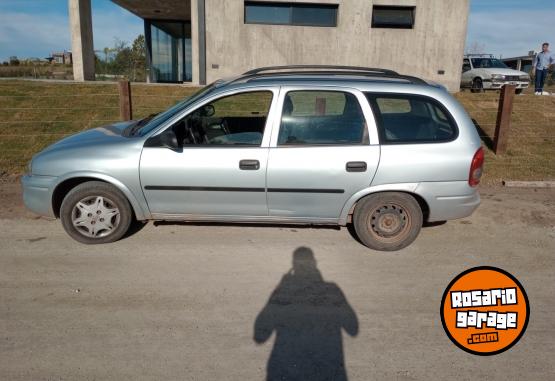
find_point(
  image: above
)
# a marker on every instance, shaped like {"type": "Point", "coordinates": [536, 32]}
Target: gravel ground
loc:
{"type": "Point", "coordinates": [182, 301]}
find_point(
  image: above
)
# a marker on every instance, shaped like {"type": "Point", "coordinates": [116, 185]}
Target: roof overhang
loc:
{"type": "Point", "coordinates": [158, 9]}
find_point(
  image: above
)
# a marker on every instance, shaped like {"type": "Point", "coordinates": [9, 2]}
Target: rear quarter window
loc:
{"type": "Point", "coordinates": [406, 119]}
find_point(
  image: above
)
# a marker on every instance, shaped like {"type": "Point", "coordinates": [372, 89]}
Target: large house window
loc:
{"type": "Point", "coordinates": [169, 50]}
{"type": "Point", "coordinates": [257, 12]}
{"type": "Point", "coordinates": [385, 16]}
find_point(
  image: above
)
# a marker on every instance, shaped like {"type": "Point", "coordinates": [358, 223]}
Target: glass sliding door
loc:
{"type": "Point", "coordinates": [169, 50]}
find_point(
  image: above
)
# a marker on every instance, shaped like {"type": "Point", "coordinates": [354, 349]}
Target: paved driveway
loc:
{"type": "Point", "coordinates": [199, 302]}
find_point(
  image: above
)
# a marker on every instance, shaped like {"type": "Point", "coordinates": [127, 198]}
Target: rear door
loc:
{"type": "Point", "coordinates": [323, 150]}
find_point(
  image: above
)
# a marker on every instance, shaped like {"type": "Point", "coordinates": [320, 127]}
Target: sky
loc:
{"type": "Point", "coordinates": [511, 27]}
{"type": "Point", "coordinates": [35, 28]}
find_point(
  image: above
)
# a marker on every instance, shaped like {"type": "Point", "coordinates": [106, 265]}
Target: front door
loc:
{"type": "Point", "coordinates": [466, 76]}
{"type": "Point", "coordinates": [220, 167]}
{"type": "Point", "coordinates": [322, 155]}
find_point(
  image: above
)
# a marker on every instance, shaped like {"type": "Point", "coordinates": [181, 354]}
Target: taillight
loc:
{"type": "Point", "coordinates": [476, 168]}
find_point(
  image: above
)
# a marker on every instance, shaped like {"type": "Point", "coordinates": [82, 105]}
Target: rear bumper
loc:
{"type": "Point", "coordinates": [449, 200]}
{"type": "Point", "coordinates": [37, 194]}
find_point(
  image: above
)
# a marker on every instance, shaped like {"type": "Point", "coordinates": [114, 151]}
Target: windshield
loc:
{"type": "Point", "coordinates": [177, 108]}
{"type": "Point", "coordinates": [488, 63]}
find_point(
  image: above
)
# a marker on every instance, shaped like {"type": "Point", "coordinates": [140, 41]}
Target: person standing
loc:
{"type": "Point", "coordinates": [542, 62]}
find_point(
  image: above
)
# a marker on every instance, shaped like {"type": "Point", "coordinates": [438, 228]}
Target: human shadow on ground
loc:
{"type": "Point", "coordinates": [308, 316]}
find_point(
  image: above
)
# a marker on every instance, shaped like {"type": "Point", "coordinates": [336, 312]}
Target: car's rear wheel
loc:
{"type": "Point", "coordinates": [518, 91]}
{"type": "Point", "coordinates": [387, 221]}
{"type": "Point", "coordinates": [95, 212]}
{"type": "Point", "coordinates": [477, 85]}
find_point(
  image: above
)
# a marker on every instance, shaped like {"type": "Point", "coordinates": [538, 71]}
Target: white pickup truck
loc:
{"type": "Point", "coordinates": [482, 72]}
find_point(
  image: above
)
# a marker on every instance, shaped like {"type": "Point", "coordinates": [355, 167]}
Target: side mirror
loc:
{"type": "Point", "coordinates": [166, 139]}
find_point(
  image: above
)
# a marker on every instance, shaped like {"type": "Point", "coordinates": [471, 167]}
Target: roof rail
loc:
{"type": "Point", "coordinates": [322, 67]}
{"type": "Point", "coordinates": [292, 70]}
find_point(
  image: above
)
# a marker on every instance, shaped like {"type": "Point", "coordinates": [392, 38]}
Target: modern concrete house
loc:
{"type": "Point", "coordinates": [198, 41]}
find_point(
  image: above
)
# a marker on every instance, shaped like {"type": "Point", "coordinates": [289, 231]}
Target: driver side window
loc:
{"type": "Point", "coordinates": [466, 66]}
{"type": "Point", "coordinates": [235, 120]}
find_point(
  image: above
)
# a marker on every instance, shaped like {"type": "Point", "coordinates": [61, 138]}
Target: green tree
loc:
{"type": "Point", "coordinates": [128, 61]}
{"type": "Point", "coordinates": [138, 56]}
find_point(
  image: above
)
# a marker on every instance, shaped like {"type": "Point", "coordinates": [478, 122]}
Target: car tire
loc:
{"type": "Point", "coordinates": [387, 221]}
{"type": "Point", "coordinates": [477, 85]}
{"type": "Point", "coordinates": [95, 212]}
{"type": "Point", "coordinates": [518, 91]}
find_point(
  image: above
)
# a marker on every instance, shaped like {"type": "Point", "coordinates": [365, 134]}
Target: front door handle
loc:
{"type": "Point", "coordinates": [356, 166]}
{"type": "Point", "coordinates": [249, 165]}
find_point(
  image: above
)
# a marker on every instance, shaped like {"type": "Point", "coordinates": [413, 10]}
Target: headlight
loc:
{"type": "Point", "coordinates": [498, 76]}
{"type": "Point", "coordinates": [525, 77]}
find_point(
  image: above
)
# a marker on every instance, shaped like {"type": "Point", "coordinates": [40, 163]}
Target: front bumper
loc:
{"type": "Point", "coordinates": [499, 84]}
{"type": "Point", "coordinates": [37, 194]}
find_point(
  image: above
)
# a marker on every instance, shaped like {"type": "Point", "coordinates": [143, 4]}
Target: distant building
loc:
{"type": "Point", "coordinates": [199, 41]}
{"type": "Point", "coordinates": [61, 58]}
{"type": "Point", "coordinates": [522, 63]}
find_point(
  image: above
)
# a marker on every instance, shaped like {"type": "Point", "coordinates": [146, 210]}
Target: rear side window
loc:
{"type": "Point", "coordinates": [405, 119]}
{"type": "Point", "coordinates": [321, 118]}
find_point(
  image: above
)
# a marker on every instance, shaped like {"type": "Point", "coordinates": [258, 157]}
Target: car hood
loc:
{"type": "Point", "coordinates": [100, 135]}
{"type": "Point", "coordinates": [503, 71]}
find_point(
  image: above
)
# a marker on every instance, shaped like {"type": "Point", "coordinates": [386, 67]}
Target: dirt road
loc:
{"type": "Point", "coordinates": [190, 302]}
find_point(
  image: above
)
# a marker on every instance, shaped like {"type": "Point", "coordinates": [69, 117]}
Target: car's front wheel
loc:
{"type": "Point", "coordinates": [95, 212]}
{"type": "Point", "coordinates": [477, 85]}
{"type": "Point", "coordinates": [387, 221]}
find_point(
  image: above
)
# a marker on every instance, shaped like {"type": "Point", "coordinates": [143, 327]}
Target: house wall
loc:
{"type": "Point", "coordinates": [436, 42]}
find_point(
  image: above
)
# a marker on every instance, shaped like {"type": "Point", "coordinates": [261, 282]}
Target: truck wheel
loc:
{"type": "Point", "coordinates": [477, 85]}
{"type": "Point", "coordinates": [95, 212]}
{"type": "Point", "coordinates": [387, 221]}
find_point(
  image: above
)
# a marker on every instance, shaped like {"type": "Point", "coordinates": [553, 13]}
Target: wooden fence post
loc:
{"type": "Point", "coordinates": [503, 124]}
{"type": "Point", "coordinates": [125, 107]}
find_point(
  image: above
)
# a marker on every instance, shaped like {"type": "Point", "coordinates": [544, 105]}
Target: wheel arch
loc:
{"type": "Point", "coordinates": [409, 189]}
{"type": "Point", "coordinates": [69, 182]}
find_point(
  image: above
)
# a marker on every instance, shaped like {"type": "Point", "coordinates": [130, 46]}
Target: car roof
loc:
{"type": "Point", "coordinates": [320, 74]}
{"type": "Point", "coordinates": [479, 55]}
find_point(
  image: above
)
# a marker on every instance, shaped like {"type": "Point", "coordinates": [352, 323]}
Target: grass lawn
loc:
{"type": "Point", "coordinates": [531, 147]}
{"type": "Point", "coordinates": [34, 114]}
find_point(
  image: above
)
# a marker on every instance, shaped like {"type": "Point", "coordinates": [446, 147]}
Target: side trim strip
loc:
{"type": "Point", "coordinates": [304, 190]}
{"type": "Point", "coordinates": [238, 189]}
{"type": "Point", "coordinates": [214, 189]}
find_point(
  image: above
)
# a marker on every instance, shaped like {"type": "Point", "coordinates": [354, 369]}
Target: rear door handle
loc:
{"type": "Point", "coordinates": [356, 166]}
{"type": "Point", "coordinates": [249, 165]}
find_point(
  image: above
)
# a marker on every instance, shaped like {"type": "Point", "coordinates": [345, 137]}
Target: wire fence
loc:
{"type": "Point", "coordinates": [34, 115]}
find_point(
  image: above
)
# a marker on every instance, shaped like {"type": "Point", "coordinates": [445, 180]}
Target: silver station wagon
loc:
{"type": "Point", "coordinates": [331, 145]}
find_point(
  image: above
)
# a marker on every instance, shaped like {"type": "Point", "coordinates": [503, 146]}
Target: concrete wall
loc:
{"type": "Point", "coordinates": [436, 42]}
{"type": "Point", "coordinates": [80, 24]}
{"type": "Point", "coordinates": [195, 40]}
